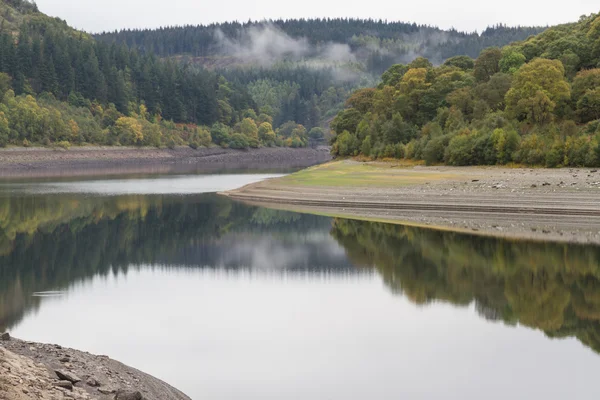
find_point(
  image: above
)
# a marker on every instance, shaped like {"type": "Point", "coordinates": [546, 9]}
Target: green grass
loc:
{"type": "Point", "coordinates": [349, 173]}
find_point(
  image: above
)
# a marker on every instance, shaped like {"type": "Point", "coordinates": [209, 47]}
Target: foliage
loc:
{"type": "Point", "coordinates": [526, 103]}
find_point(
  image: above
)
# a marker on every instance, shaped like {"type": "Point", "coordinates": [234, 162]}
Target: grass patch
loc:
{"type": "Point", "coordinates": [351, 173]}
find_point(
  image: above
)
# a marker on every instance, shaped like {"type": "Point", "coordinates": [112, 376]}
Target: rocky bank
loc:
{"type": "Point", "coordinates": [38, 371]}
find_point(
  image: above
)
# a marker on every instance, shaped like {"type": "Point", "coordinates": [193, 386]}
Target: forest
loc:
{"type": "Point", "coordinates": [61, 87]}
{"type": "Point", "coordinates": [374, 42]}
{"type": "Point", "coordinates": [533, 102]}
{"type": "Point", "coordinates": [303, 70]}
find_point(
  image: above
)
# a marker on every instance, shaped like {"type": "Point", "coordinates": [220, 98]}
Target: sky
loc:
{"type": "Point", "coordinates": [465, 15]}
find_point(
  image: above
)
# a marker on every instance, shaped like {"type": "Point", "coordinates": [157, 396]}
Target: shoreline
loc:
{"type": "Point", "coordinates": [30, 370]}
{"type": "Point", "coordinates": [17, 163]}
{"type": "Point", "coordinates": [531, 204]}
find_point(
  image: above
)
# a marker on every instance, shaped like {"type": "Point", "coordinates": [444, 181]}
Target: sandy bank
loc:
{"type": "Point", "coordinates": [87, 161]}
{"type": "Point", "coordinates": [29, 371]}
{"type": "Point", "coordinates": [545, 204]}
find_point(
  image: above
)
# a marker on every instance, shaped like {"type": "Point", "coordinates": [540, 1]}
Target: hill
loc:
{"type": "Point", "coordinates": [376, 44]}
{"type": "Point", "coordinates": [59, 86]}
{"type": "Point", "coordinates": [533, 102]}
{"type": "Point", "coordinates": [303, 70]}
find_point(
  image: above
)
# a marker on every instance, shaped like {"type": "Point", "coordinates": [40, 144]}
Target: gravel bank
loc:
{"type": "Point", "coordinates": [546, 204]}
{"type": "Point", "coordinates": [42, 371]}
{"type": "Point", "coordinates": [88, 161]}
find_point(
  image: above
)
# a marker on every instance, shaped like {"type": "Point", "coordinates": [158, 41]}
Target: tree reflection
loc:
{"type": "Point", "coordinates": [546, 286]}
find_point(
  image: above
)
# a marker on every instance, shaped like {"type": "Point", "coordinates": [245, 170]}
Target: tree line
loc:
{"type": "Point", "coordinates": [311, 89]}
{"type": "Point", "coordinates": [359, 34]}
{"type": "Point", "coordinates": [60, 87]}
{"type": "Point", "coordinates": [533, 102]}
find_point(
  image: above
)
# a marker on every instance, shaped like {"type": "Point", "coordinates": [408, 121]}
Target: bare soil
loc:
{"type": "Point", "coordinates": [545, 204]}
{"type": "Point", "coordinates": [27, 371]}
{"type": "Point", "coordinates": [88, 161]}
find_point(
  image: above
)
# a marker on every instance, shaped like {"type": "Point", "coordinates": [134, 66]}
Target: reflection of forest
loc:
{"type": "Point", "coordinates": [51, 242]}
{"type": "Point", "coordinates": [551, 287]}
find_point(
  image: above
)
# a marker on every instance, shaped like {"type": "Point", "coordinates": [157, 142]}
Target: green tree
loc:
{"type": "Point", "coordinates": [537, 89]}
{"type": "Point", "coordinates": [511, 60]}
{"type": "Point", "coordinates": [266, 134]}
{"type": "Point", "coordinates": [128, 130]}
{"type": "Point", "coordinates": [487, 64]}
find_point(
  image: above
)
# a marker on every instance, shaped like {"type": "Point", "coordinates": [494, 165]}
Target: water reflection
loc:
{"type": "Point", "coordinates": [546, 286]}
{"type": "Point", "coordinates": [48, 243]}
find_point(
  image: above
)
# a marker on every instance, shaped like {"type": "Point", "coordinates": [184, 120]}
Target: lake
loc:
{"type": "Point", "coordinates": [228, 301]}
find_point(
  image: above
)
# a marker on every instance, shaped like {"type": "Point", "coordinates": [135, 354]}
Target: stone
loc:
{"type": "Point", "coordinates": [106, 390]}
{"type": "Point", "coordinates": [5, 336]}
{"type": "Point", "coordinates": [92, 382]}
{"type": "Point", "coordinates": [128, 395]}
{"type": "Point", "coordinates": [64, 384]}
{"type": "Point", "coordinates": [67, 376]}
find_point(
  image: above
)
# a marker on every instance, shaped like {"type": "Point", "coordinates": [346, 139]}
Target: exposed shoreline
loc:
{"type": "Point", "coordinates": [16, 163]}
{"type": "Point", "coordinates": [28, 371]}
{"type": "Point", "coordinates": [538, 204]}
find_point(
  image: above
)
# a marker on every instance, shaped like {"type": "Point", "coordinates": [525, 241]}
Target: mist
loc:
{"type": "Point", "coordinates": [266, 44]}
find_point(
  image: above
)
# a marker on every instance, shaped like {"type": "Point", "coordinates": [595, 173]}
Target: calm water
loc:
{"type": "Point", "coordinates": [227, 301]}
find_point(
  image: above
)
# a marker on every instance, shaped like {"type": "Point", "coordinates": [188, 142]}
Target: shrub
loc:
{"type": "Point", "coordinates": [459, 150]}
{"type": "Point", "coordinates": [64, 144]}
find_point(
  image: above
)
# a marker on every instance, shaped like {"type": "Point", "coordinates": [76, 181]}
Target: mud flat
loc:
{"type": "Point", "coordinates": [88, 161]}
{"type": "Point", "coordinates": [540, 204]}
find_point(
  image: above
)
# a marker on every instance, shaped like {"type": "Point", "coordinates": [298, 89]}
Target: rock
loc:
{"type": "Point", "coordinates": [67, 376]}
{"type": "Point", "coordinates": [128, 395]}
{"type": "Point", "coordinates": [92, 382]}
{"type": "Point", "coordinates": [546, 184]}
{"type": "Point", "coordinates": [106, 390]}
{"type": "Point", "coordinates": [534, 185]}
{"type": "Point", "coordinates": [5, 336]}
{"type": "Point", "coordinates": [64, 359]}
{"type": "Point", "coordinates": [64, 384]}
{"type": "Point", "coordinates": [475, 180]}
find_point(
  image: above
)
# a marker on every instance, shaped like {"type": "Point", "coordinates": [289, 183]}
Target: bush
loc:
{"type": "Point", "coordinates": [64, 144]}
{"type": "Point", "coordinates": [366, 146]}
{"type": "Point", "coordinates": [238, 141]}
{"type": "Point", "coordinates": [433, 153]}
{"type": "Point", "coordinates": [459, 151]}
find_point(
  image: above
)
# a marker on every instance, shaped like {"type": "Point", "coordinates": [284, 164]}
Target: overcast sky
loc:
{"type": "Point", "coordinates": [467, 15]}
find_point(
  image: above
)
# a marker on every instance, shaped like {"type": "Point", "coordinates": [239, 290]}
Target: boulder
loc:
{"type": "Point", "coordinates": [5, 336]}
{"type": "Point", "coordinates": [64, 384]}
{"type": "Point", "coordinates": [93, 382]}
{"type": "Point", "coordinates": [128, 395]}
{"type": "Point", "coordinates": [106, 390]}
{"type": "Point", "coordinates": [65, 375]}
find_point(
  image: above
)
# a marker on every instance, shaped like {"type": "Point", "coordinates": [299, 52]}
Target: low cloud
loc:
{"type": "Point", "coordinates": [266, 44]}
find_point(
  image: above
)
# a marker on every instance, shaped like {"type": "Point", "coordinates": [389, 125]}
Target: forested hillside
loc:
{"type": "Point", "coordinates": [60, 86]}
{"type": "Point", "coordinates": [373, 42]}
{"type": "Point", "coordinates": [304, 70]}
{"type": "Point", "coordinates": [534, 102]}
